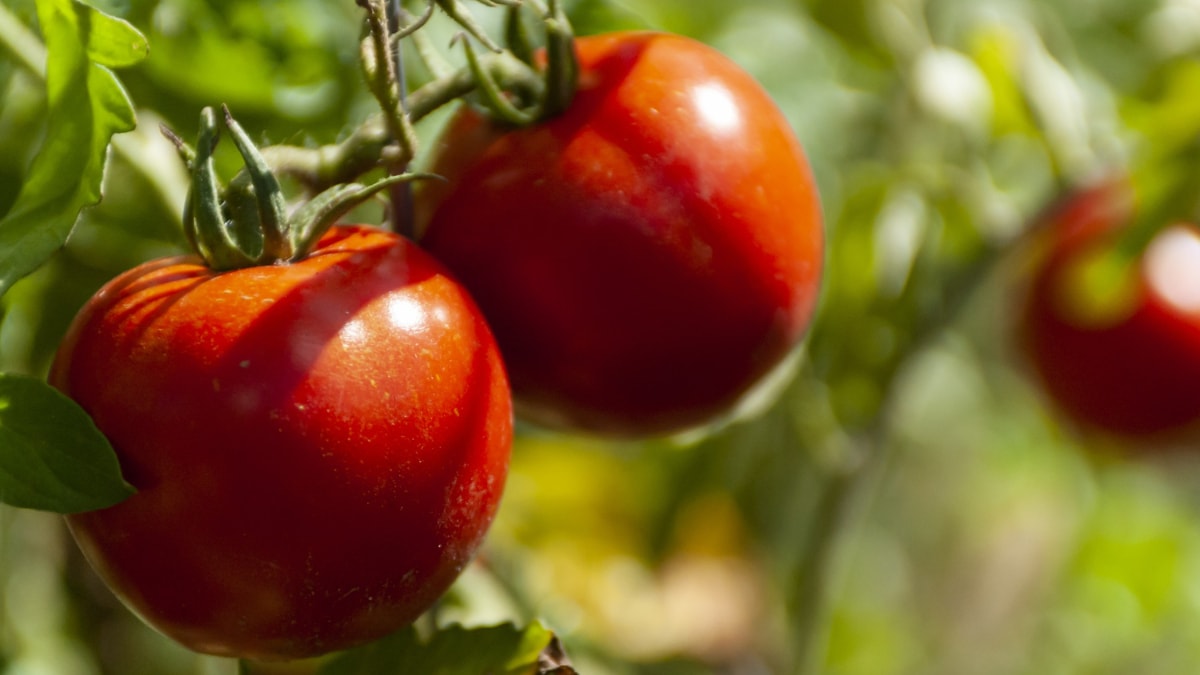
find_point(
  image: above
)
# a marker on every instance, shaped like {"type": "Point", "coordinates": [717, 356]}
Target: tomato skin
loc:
{"type": "Point", "coordinates": [319, 447]}
{"type": "Point", "coordinates": [1134, 375]}
{"type": "Point", "coordinates": [645, 257]}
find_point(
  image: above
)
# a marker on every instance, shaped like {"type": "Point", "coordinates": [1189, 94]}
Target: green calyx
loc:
{"type": "Point", "coordinates": [562, 66]}
{"type": "Point", "coordinates": [246, 222]}
{"type": "Point", "coordinates": [518, 101]}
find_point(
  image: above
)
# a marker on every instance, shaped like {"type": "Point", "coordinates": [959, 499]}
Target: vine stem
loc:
{"type": "Point", "coordinates": [400, 196]}
{"type": "Point", "coordinates": [844, 499]}
{"type": "Point", "coordinates": [382, 79]}
{"type": "Point", "coordinates": [361, 151]}
{"type": "Point", "coordinates": [849, 490]}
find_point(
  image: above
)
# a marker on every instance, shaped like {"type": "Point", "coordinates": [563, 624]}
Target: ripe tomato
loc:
{"type": "Point", "coordinates": [645, 257]}
{"type": "Point", "coordinates": [1123, 360]}
{"type": "Point", "coordinates": [319, 447]}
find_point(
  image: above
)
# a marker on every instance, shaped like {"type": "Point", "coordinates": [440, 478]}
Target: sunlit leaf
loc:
{"type": "Point", "coordinates": [590, 17]}
{"type": "Point", "coordinates": [86, 106]}
{"type": "Point", "coordinates": [111, 41]}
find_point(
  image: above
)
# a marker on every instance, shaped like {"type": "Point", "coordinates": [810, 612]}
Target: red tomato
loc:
{"type": "Point", "coordinates": [319, 447]}
{"type": "Point", "coordinates": [645, 257]}
{"type": "Point", "coordinates": [1126, 360]}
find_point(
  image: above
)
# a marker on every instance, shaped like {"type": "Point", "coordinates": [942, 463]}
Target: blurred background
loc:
{"type": "Point", "coordinates": [900, 500]}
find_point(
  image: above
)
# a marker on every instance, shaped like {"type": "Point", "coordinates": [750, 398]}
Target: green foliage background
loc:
{"type": "Point", "coordinates": [905, 469]}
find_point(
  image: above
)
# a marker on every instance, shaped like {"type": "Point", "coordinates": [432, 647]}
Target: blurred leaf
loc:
{"type": "Point", "coordinates": [1169, 122]}
{"type": "Point", "coordinates": [997, 52]}
{"type": "Point", "coordinates": [454, 650]}
{"type": "Point", "coordinates": [591, 17]}
{"type": "Point", "coordinates": [851, 22]}
{"type": "Point", "coordinates": [52, 457]}
{"type": "Point", "coordinates": [86, 106]}
{"type": "Point", "coordinates": [274, 63]}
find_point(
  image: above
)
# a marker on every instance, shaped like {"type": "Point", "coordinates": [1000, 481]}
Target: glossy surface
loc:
{"type": "Point", "coordinates": [1133, 369]}
{"type": "Point", "coordinates": [644, 258]}
{"type": "Point", "coordinates": [319, 447]}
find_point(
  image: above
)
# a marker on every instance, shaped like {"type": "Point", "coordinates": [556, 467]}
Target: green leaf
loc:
{"type": "Point", "coordinates": [86, 106]}
{"type": "Point", "coordinates": [592, 17]}
{"type": "Point", "coordinates": [111, 41]}
{"type": "Point", "coordinates": [52, 457]}
{"type": "Point", "coordinates": [454, 650]}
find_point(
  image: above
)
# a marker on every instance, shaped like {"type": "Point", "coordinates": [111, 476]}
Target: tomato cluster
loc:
{"type": "Point", "coordinates": [320, 445]}
{"type": "Point", "coordinates": [1123, 357]}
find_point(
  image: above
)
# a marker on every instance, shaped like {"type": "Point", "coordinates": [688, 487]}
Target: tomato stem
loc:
{"type": "Point", "coordinates": [388, 138]}
{"type": "Point", "coordinates": [321, 212]}
{"type": "Point", "coordinates": [411, 28]}
{"type": "Point", "coordinates": [186, 153]}
{"type": "Point", "coordinates": [380, 71]}
{"type": "Point", "coordinates": [272, 208]}
{"type": "Point", "coordinates": [204, 221]}
{"type": "Point", "coordinates": [429, 56]}
{"type": "Point", "coordinates": [516, 35]}
{"type": "Point", "coordinates": [400, 216]}
{"type": "Point", "coordinates": [562, 65]}
{"type": "Point", "coordinates": [494, 97]}
{"type": "Point", "coordinates": [463, 17]}
{"type": "Point", "coordinates": [364, 149]}
{"type": "Point", "coordinates": [509, 72]}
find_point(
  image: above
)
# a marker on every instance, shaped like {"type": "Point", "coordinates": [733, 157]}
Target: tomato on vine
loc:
{"type": "Point", "coordinates": [1116, 349]}
{"type": "Point", "coordinates": [319, 447]}
{"type": "Point", "coordinates": [644, 257]}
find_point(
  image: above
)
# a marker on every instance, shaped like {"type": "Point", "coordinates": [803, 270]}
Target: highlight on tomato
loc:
{"type": "Point", "coordinates": [645, 257]}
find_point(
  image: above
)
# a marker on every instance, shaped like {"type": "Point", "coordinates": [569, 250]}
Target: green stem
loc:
{"type": "Point", "coordinates": [429, 56]}
{"type": "Point", "coordinates": [363, 150]}
{"type": "Point", "coordinates": [318, 214]}
{"type": "Point", "coordinates": [401, 215]}
{"type": "Point", "coordinates": [850, 489]}
{"type": "Point", "coordinates": [493, 96]}
{"type": "Point", "coordinates": [562, 66]}
{"type": "Point", "coordinates": [205, 223]}
{"type": "Point", "coordinates": [507, 70]}
{"type": "Point", "coordinates": [382, 80]}
{"type": "Point", "coordinates": [411, 28]}
{"type": "Point", "coordinates": [463, 18]}
{"type": "Point", "coordinates": [839, 508]}
{"type": "Point", "coordinates": [272, 210]}
{"type": "Point", "coordinates": [517, 37]}
{"type": "Point", "coordinates": [331, 164]}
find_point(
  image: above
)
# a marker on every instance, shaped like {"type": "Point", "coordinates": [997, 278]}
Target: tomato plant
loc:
{"type": "Point", "coordinates": [645, 257]}
{"type": "Point", "coordinates": [318, 447]}
{"type": "Point", "coordinates": [935, 130]}
{"type": "Point", "coordinates": [1117, 350]}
